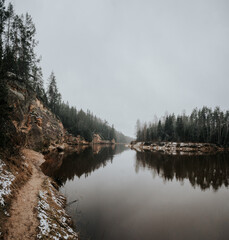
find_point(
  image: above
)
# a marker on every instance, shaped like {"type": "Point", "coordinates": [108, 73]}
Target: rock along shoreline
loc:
{"type": "Point", "coordinates": [176, 148]}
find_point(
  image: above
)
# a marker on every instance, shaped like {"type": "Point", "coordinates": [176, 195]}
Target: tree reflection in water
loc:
{"type": "Point", "coordinates": [204, 171]}
{"type": "Point", "coordinates": [66, 165]}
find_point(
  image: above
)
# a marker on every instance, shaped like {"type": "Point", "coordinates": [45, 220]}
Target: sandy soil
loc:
{"type": "Point", "coordinates": [23, 220]}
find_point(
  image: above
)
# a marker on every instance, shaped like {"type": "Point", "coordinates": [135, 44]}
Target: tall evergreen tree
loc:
{"type": "Point", "coordinates": [3, 17]}
{"type": "Point", "coordinates": [8, 58]}
{"type": "Point", "coordinates": [54, 97]}
{"type": "Point", "coordinates": [28, 43]}
{"type": "Point", "coordinates": [138, 130]}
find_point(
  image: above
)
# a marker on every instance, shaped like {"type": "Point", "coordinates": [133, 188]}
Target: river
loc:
{"type": "Point", "coordinates": [114, 193]}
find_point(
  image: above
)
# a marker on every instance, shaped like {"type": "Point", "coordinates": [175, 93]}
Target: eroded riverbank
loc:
{"type": "Point", "coordinates": [36, 209]}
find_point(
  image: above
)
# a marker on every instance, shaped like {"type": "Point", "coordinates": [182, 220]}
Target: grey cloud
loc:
{"type": "Point", "coordinates": [125, 60]}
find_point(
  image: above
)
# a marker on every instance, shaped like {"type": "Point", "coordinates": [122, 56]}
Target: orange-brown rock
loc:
{"type": "Point", "coordinates": [32, 124]}
{"type": "Point", "coordinates": [96, 139]}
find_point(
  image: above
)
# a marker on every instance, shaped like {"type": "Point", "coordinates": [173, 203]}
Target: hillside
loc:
{"type": "Point", "coordinates": [35, 120]}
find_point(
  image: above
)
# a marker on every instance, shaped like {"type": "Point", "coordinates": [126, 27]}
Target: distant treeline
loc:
{"type": "Point", "coordinates": [202, 125]}
{"type": "Point", "coordinates": [79, 122]}
{"type": "Point", "coordinates": [17, 56]}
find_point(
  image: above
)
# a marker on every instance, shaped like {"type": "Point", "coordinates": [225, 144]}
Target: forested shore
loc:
{"type": "Point", "coordinates": [18, 59]}
{"type": "Point", "coordinates": [203, 125]}
{"type": "Point", "coordinates": [34, 119]}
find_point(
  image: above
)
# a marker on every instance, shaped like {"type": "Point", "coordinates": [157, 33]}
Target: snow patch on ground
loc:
{"type": "Point", "coordinates": [6, 179]}
{"type": "Point", "coordinates": [54, 222]}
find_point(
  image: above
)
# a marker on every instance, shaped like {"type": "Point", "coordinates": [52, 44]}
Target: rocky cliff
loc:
{"type": "Point", "coordinates": [98, 140]}
{"type": "Point", "coordinates": [31, 123]}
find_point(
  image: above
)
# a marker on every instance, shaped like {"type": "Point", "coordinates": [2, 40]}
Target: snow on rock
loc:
{"type": "Point", "coordinates": [6, 179]}
{"type": "Point", "coordinates": [54, 222]}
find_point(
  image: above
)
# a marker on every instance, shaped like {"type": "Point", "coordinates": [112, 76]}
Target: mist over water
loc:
{"type": "Point", "coordinates": [122, 194]}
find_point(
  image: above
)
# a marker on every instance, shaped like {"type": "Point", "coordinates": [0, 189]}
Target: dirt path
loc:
{"type": "Point", "coordinates": [23, 221]}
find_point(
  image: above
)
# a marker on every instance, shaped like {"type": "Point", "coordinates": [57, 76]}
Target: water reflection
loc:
{"type": "Point", "coordinates": [82, 161]}
{"type": "Point", "coordinates": [123, 201]}
{"type": "Point", "coordinates": [204, 171]}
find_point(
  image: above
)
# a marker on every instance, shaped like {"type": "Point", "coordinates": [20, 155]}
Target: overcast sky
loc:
{"type": "Point", "coordinates": [130, 59]}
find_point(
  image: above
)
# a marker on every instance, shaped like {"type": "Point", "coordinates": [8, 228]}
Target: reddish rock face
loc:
{"type": "Point", "coordinates": [34, 125]}
{"type": "Point", "coordinates": [97, 138]}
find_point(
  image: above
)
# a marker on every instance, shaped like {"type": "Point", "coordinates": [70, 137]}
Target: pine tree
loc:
{"type": "Point", "coordinates": [138, 130]}
{"type": "Point", "coordinates": [28, 43]}
{"type": "Point", "coordinates": [179, 129]}
{"type": "Point", "coordinates": [8, 59]}
{"type": "Point", "coordinates": [3, 18]}
{"type": "Point", "coordinates": [112, 134]}
{"type": "Point", "coordinates": [159, 131]}
{"type": "Point", "coordinates": [54, 97]}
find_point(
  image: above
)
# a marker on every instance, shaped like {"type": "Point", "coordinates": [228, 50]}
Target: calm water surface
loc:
{"type": "Point", "coordinates": [118, 193]}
